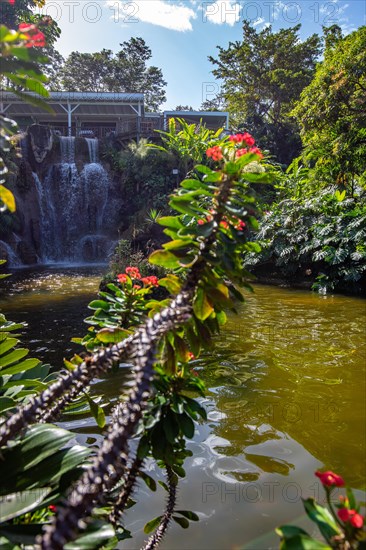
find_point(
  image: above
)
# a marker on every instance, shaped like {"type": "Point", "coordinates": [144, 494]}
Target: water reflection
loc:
{"type": "Point", "coordinates": [286, 395]}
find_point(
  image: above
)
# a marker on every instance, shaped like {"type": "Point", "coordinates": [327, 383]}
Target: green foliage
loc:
{"type": "Point", "coordinates": [331, 110]}
{"type": "Point", "coordinates": [19, 72]}
{"type": "Point", "coordinates": [324, 232]}
{"type": "Point", "coordinates": [337, 527]}
{"type": "Point", "coordinates": [208, 237]}
{"type": "Point", "coordinates": [263, 76]}
{"type": "Point", "coordinates": [187, 142]}
{"type": "Point", "coordinates": [20, 377]}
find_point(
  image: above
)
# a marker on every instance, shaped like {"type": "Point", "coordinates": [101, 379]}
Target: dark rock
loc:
{"type": "Point", "coordinates": [26, 253]}
{"type": "Point", "coordinates": [41, 140]}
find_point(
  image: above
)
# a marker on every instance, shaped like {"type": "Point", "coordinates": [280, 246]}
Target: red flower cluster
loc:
{"type": "Point", "coordinates": [133, 272]}
{"type": "Point", "coordinates": [215, 153]}
{"type": "Point", "coordinates": [351, 516]}
{"type": "Point", "coordinates": [243, 138]}
{"type": "Point", "coordinates": [330, 479]}
{"type": "Point", "coordinates": [122, 278]}
{"type": "Point", "coordinates": [150, 281]}
{"type": "Point", "coordinates": [35, 38]}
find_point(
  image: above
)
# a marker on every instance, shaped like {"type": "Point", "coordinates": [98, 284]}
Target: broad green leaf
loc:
{"type": "Point", "coordinates": [22, 366]}
{"type": "Point", "coordinates": [172, 283]}
{"type": "Point", "coordinates": [112, 335]}
{"type": "Point", "coordinates": [202, 307]}
{"type": "Point", "coordinates": [7, 344]}
{"type": "Point", "coordinates": [186, 425]}
{"type": "Point", "coordinates": [152, 525]}
{"type": "Point", "coordinates": [303, 542]}
{"type": "Point", "coordinates": [99, 304]}
{"type": "Point", "coordinates": [150, 482]}
{"type": "Point", "coordinates": [203, 169]}
{"type": "Point", "coordinates": [183, 522]}
{"type": "Point", "coordinates": [6, 403]}
{"type": "Point", "coordinates": [322, 517]}
{"type": "Point", "coordinates": [188, 514]}
{"type": "Point", "coordinates": [164, 258]}
{"type": "Point", "coordinates": [96, 411]}
{"type": "Point", "coordinates": [95, 536]}
{"type": "Point", "coordinates": [178, 243]}
{"type": "Point", "coordinates": [12, 357]}
{"type": "Point", "coordinates": [172, 222]}
{"type": "Point", "coordinates": [289, 531]}
{"type": "Point", "coordinates": [16, 504]}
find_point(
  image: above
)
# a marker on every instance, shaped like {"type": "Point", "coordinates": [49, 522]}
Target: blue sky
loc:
{"type": "Point", "coordinates": [182, 34]}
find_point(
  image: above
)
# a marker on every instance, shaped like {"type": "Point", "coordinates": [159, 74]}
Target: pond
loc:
{"type": "Point", "coordinates": [286, 396]}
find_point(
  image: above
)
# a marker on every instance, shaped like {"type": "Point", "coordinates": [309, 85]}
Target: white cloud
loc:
{"type": "Point", "coordinates": [176, 17]}
{"type": "Point", "coordinates": [221, 12]}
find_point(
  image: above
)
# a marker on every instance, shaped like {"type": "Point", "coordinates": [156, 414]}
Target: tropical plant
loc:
{"type": "Point", "coordinates": [208, 238]}
{"type": "Point", "coordinates": [341, 528]}
{"type": "Point", "coordinates": [20, 72]}
{"type": "Point", "coordinates": [323, 232]}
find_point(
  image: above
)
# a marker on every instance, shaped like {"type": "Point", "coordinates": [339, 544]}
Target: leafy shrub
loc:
{"type": "Point", "coordinates": [324, 232]}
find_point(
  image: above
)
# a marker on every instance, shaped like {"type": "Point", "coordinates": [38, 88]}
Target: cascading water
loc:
{"type": "Point", "coordinates": [67, 145]}
{"type": "Point", "coordinates": [93, 149]}
{"type": "Point", "coordinates": [75, 211]}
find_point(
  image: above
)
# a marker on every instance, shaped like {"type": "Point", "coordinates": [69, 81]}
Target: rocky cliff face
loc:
{"type": "Point", "coordinates": [68, 207]}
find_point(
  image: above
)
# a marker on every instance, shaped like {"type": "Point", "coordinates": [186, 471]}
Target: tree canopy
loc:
{"type": "Point", "coordinates": [263, 76]}
{"type": "Point", "coordinates": [332, 109]}
{"type": "Point", "coordinates": [125, 71]}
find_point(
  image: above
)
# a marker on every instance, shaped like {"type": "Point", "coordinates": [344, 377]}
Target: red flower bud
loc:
{"type": "Point", "coordinates": [330, 479]}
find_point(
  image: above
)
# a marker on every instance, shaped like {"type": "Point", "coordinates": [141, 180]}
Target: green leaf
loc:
{"type": "Point", "coordinates": [112, 335]}
{"type": "Point", "coordinates": [178, 243]}
{"type": "Point", "coordinates": [164, 258]}
{"type": "Point", "coordinates": [188, 514]}
{"type": "Point", "coordinates": [96, 411]}
{"type": "Point", "coordinates": [172, 283]}
{"type": "Point", "coordinates": [12, 357]}
{"type": "Point", "coordinates": [17, 504]}
{"type": "Point", "coordinates": [289, 531]}
{"type": "Point", "coordinates": [202, 307]}
{"type": "Point", "coordinates": [95, 536]}
{"type": "Point", "coordinates": [203, 169]}
{"type": "Point", "coordinates": [99, 304]}
{"type": "Point", "coordinates": [20, 367]}
{"type": "Point", "coordinates": [303, 542]}
{"type": "Point", "coordinates": [351, 498]}
{"type": "Point", "coordinates": [183, 522]}
{"type": "Point", "coordinates": [150, 482]}
{"type": "Point", "coordinates": [6, 403]}
{"type": "Point", "coordinates": [322, 517]}
{"type": "Point", "coordinates": [7, 344]}
{"type": "Point", "coordinates": [152, 525]}
{"type": "Point", "coordinates": [173, 222]}
{"type": "Point", "coordinates": [186, 425]}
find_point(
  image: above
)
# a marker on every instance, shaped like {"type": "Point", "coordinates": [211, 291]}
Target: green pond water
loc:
{"type": "Point", "coordinates": [286, 396]}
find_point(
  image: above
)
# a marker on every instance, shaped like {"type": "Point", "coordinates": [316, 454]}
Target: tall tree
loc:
{"type": "Point", "coordinates": [127, 71]}
{"type": "Point", "coordinates": [332, 109]}
{"type": "Point", "coordinates": [262, 77]}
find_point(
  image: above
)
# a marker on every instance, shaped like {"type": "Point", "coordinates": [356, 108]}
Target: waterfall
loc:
{"type": "Point", "coordinates": [76, 216]}
{"type": "Point", "coordinates": [93, 149]}
{"type": "Point", "coordinates": [6, 252]}
{"type": "Point", "coordinates": [67, 145]}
